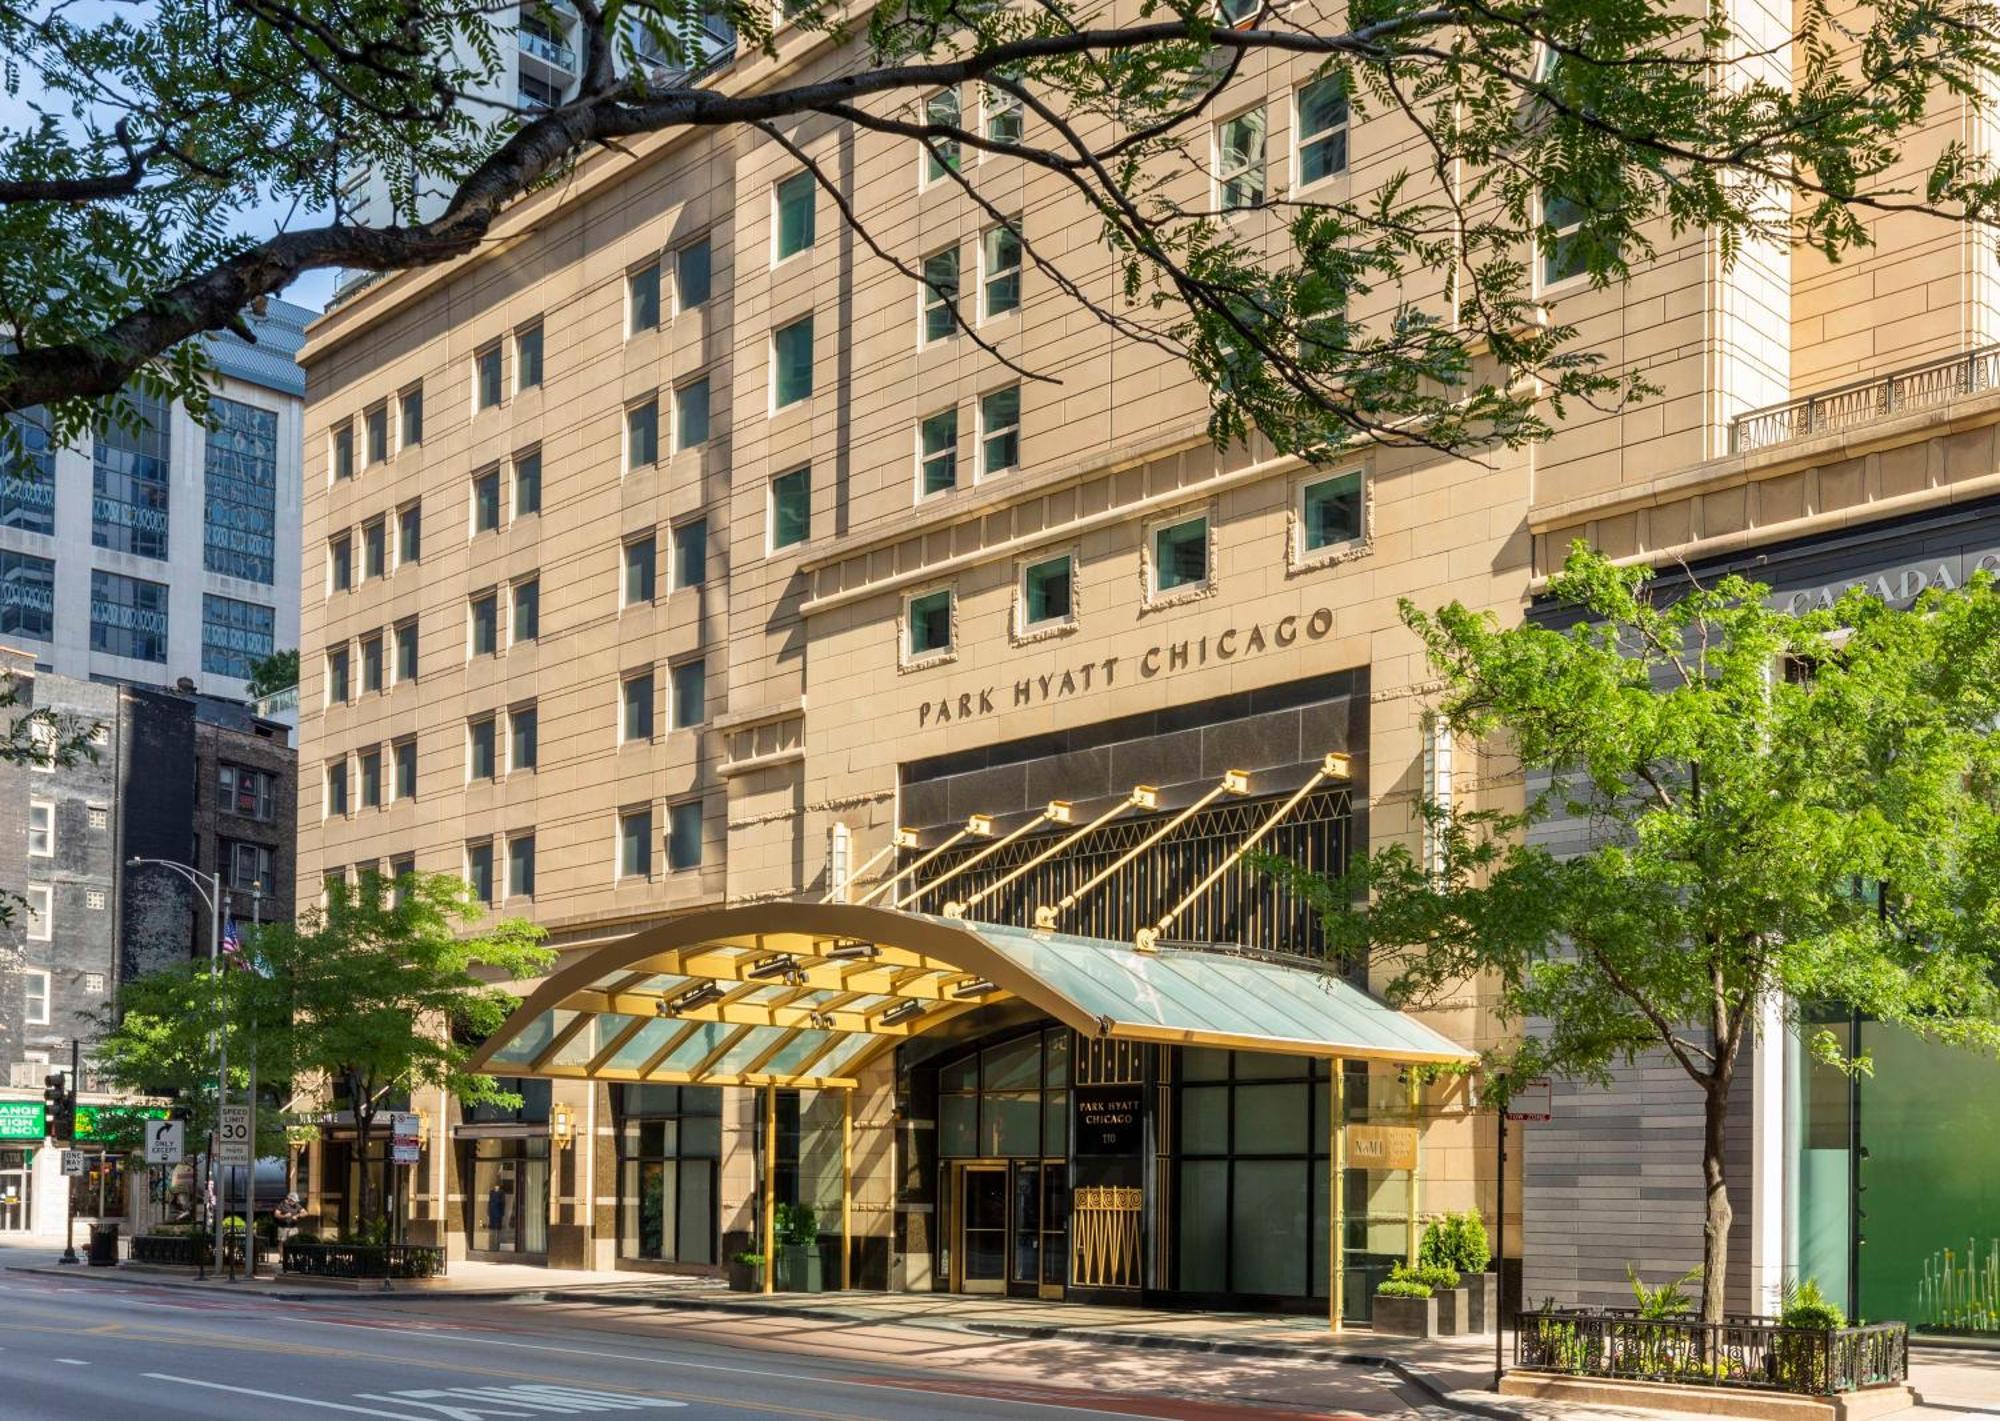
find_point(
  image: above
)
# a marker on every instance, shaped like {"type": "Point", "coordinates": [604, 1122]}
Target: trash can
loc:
{"type": "Point", "coordinates": [104, 1246]}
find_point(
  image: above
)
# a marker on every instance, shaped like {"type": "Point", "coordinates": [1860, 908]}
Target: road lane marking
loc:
{"type": "Point", "coordinates": [470, 1403]}
{"type": "Point", "coordinates": [72, 1362]}
{"type": "Point", "coordinates": [280, 1396]}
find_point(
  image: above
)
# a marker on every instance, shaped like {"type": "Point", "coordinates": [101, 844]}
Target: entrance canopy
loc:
{"type": "Point", "coordinates": [806, 994]}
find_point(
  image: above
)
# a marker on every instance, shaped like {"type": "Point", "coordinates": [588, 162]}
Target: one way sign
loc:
{"type": "Point", "coordinates": [164, 1141]}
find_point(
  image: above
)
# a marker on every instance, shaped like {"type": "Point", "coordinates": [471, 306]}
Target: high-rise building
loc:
{"type": "Point", "coordinates": [166, 548]}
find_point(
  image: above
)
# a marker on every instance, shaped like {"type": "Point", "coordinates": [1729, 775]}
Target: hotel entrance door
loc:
{"type": "Point", "coordinates": [982, 1232]}
{"type": "Point", "coordinates": [1010, 1227]}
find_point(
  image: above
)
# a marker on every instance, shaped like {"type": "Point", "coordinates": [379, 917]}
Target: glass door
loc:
{"type": "Point", "coordinates": [1026, 1276]}
{"type": "Point", "coordinates": [14, 1176]}
{"type": "Point", "coordinates": [982, 1246]}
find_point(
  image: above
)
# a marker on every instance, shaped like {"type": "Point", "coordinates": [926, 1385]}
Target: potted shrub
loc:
{"type": "Point", "coordinates": [1801, 1360]}
{"type": "Point", "coordinates": [1404, 1307]}
{"type": "Point", "coordinates": [798, 1249]}
{"type": "Point", "coordinates": [1458, 1241]}
{"type": "Point", "coordinates": [1454, 1302]}
{"type": "Point", "coordinates": [746, 1272]}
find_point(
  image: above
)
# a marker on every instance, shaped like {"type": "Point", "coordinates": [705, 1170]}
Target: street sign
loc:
{"type": "Point", "coordinates": [1533, 1101]}
{"type": "Point", "coordinates": [405, 1137]}
{"type": "Point", "coordinates": [165, 1141]}
{"type": "Point", "coordinates": [72, 1162]}
{"type": "Point", "coordinates": [235, 1134]}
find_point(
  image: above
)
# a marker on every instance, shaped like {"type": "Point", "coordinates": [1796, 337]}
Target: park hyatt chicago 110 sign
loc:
{"type": "Point", "coordinates": [1109, 1119]}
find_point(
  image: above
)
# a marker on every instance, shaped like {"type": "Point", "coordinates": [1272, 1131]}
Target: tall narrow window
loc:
{"type": "Point", "coordinates": [521, 865]}
{"type": "Point", "coordinates": [376, 422]}
{"type": "Point", "coordinates": [635, 843]}
{"type": "Point", "coordinates": [35, 1001]}
{"type": "Point", "coordinates": [1561, 252]}
{"type": "Point", "coordinates": [791, 363]}
{"type": "Point", "coordinates": [486, 372]}
{"type": "Point", "coordinates": [409, 533]}
{"type": "Point", "coordinates": [690, 694]}
{"type": "Point", "coordinates": [338, 691]}
{"type": "Point", "coordinates": [132, 477]}
{"type": "Point", "coordinates": [684, 835]}
{"type": "Point", "coordinates": [412, 402]}
{"type": "Point", "coordinates": [41, 828]}
{"type": "Point", "coordinates": [1003, 114]}
{"type": "Point", "coordinates": [479, 870]}
{"type": "Point", "coordinates": [340, 558]}
{"type": "Point", "coordinates": [940, 305]}
{"type": "Point", "coordinates": [371, 662]}
{"type": "Point", "coordinates": [941, 153]}
{"type": "Point", "coordinates": [527, 609]}
{"type": "Point", "coordinates": [642, 435]}
{"type": "Point", "coordinates": [691, 275]}
{"type": "Point", "coordinates": [642, 293]}
{"type": "Point", "coordinates": [486, 501]}
{"type": "Point", "coordinates": [1322, 129]}
{"type": "Point", "coordinates": [406, 769]}
{"type": "Point", "coordinates": [482, 762]}
{"type": "Point", "coordinates": [639, 558]}
{"type": "Point", "coordinates": [406, 650]}
{"type": "Point", "coordinates": [793, 201]}
{"type": "Point", "coordinates": [1000, 430]}
{"type": "Point", "coordinates": [343, 452]}
{"type": "Point", "coordinates": [528, 483]}
{"type": "Point", "coordinates": [524, 738]}
{"type": "Point", "coordinates": [336, 787]}
{"type": "Point", "coordinates": [528, 357]}
{"type": "Point", "coordinates": [691, 414]}
{"type": "Point", "coordinates": [1000, 274]}
{"type": "Point", "coordinates": [486, 624]}
{"type": "Point", "coordinates": [791, 508]}
{"type": "Point", "coordinates": [638, 717]}
{"type": "Point", "coordinates": [691, 553]}
{"type": "Point", "coordinates": [371, 778]}
{"type": "Point", "coordinates": [374, 548]}
{"type": "Point", "coordinates": [1239, 161]}
{"type": "Point", "coordinates": [938, 456]}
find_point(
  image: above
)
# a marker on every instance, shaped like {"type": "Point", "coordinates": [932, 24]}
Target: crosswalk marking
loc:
{"type": "Point", "coordinates": [476, 1403]}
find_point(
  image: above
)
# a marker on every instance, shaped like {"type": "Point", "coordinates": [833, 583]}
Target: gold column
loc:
{"type": "Point", "coordinates": [771, 1188]}
{"type": "Point", "coordinates": [1416, 1093]}
{"type": "Point", "coordinates": [846, 1190]}
{"type": "Point", "coordinates": [1336, 1197]}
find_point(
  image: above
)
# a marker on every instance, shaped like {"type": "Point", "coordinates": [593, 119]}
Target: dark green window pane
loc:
{"type": "Point", "coordinates": [1322, 129]}
{"type": "Point", "coordinates": [691, 414]}
{"type": "Point", "coordinates": [1046, 586]}
{"type": "Point", "coordinates": [940, 451]}
{"type": "Point", "coordinates": [644, 286]}
{"type": "Point", "coordinates": [792, 363]}
{"type": "Point", "coordinates": [691, 274]}
{"type": "Point", "coordinates": [1180, 555]}
{"type": "Point", "coordinates": [930, 623]}
{"type": "Point", "coordinates": [940, 293]}
{"type": "Point", "coordinates": [1331, 511]}
{"type": "Point", "coordinates": [795, 214]}
{"type": "Point", "coordinates": [1205, 1120]}
{"type": "Point", "coordinates": [791, 508]}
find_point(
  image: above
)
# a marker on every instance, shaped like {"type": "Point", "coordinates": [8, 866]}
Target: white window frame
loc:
{"type": "Point", "coordinates": [809, 320]}
{"type": "Point", "coordinates": [980, 471]}
{"type": "Point", "coordinates": [42, 737]}
{"type": "Point", "coordinates": [911, 660]}
{"type": "Point", "coordinates": [29, 1015]}
{"type": "Point", "coordinates": [1302, 557]}
{"type": "Point", "coordinates": [1222, 179]}
{"type": "Point", "coordinates": [1026, 631]}
{"type": "Point", "coordinates": [777, 216]}
{"type": "Point", "coordinates": [1301, 141]}
{"type": "Point", "coordinates": [627, 466]}
{"type": "Point", "coordinates": [926, 155]}
{"type": "Point", "coordinates": [1544, 286]}
{"type": "Point", "coordinates": [632, 328]}
{"type": "Point", "coordinates": [498, 345]}
{"type": "Point", "coordinates": [772, 547]}
{"type": "Point", "coordinates": [987, 273]}
{"type": "Point", "coordinates": [993, 103]}
{"type": "Point", "coordinates": [47, 834]}
{"type": "Point", "coordinates": [1149, 557]}
{"type": "Point", "coordinates": [93, 983]}
{"type": "Point", "coordinates": [957, 442]}
{"type": "Point", "coordinates": [927, 297]}
{"type": "Point", "coordinates": [41, 912]}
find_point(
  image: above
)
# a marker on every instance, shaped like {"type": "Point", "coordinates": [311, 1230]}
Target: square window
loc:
{"type": "Point", "coordinates": [406, 769]}
{"type": "Point", "coordinates": [1561, 253]}
{"type": "Point", "coordinates": [642, 294]}
{"type": "Point", "coordinates": [940, 295]}
{"type": "Point", "coordinates": [1000, 270]}
{"type": "Point", "coordinates": [343, 452]}
{"type": "Point", "coordinates": [41, 912]}
{"type": "Point", "coordinates": [938, 455]}
{"type": "Point", "coordinates": [639, 558]}
{"type": "Point", "coordinates": [482, 762]}
{"type": "Point", "coordinates": [479, 871]}
{"type": "Point", "coordinates": [638, 717]}
{"type": "Point", "coordinates": [409, 534]}
{"type": "Point", "coordinates": [527, 609]}
{"type": "Point", "coordinates": [528, 483]}
{"type": "Point", "coordinates": [521, 865]}
{"type": "Point", "coordinates": [376, 422]}
{"type": "Point", "coordinates": [486, 374]}
{"type": "Point", "coordinates": [375, 548]}
{"type": "Point", "coordinates": [642, 435]}
{"type": "Point", "coordinates": [371, 779]}
{"type": "Point", "coordinates": [336, 787]}
{"type": "Point", "coordinates": [1330, 512]}
{"type": "Point", "coordinates": [691, 553]}
{"type": "Point", "coordinates": [684, 835]}
{"type": "Point", "coordinates": [1322, 129]}
{"type": "Point", "coordinates": [930, 624]}
{"type": "Point", "coordinates": [1000, 430]}
{"type": "Point", "coordinates": [523, 733]}
{"type": "Point", "coordinates": [338, 692]}
{"type": "Point", "coordinates": [412, 402]}
{"type": "Point", "coordinates": [635, 838]}
{"type": "Point", "coordinates": [528, 357]}
{"type": "Point", "coordinates": [791, 508]}
{"type": "Point", "coordinates": [941, 153]}
{"type": "Point", "coordinates": [793, 201]}
{"type": "Point", "coordinates": [486, 501]}
{"type": "Point", "coordinates": [691, 414]}
{"type": "Point", "coordinates": [691, 274]}
{"type": "Point", "coordinates": [1046, 592]}
{"type": "Point", "coordinates": [100, 817]}
{"type": "Point", "coordinates": [486, 624]}
{"type": "Point", "coordinates": [1003, 114]}
{"type": "Point", "coordinates": [1239, 161]}
{"type": "Point", "coordinates": [371, 662]}
{"type": "Point", "coordinates": [340, 556]}
{"type": "Point", "coordinates": [1180, 555]}
{"type": "Point", "coordinates": [93, 983]}
{"type": "Point", "coordinates": [791, 363]}
{"type": "Point", "coordinates": [406, 651]}
{"type": "Point", "coordinates": [690, 694]}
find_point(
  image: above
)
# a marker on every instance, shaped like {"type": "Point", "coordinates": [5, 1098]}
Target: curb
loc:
{"type": "Point", "coordinates": [293, 1293]}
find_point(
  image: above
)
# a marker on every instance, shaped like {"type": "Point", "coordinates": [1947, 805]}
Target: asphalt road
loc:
{"type": "Point", "coordinates": [104, 1350]}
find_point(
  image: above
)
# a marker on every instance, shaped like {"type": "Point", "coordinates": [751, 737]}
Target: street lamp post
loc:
{"type": "Point", "coordinates": [209, 885]}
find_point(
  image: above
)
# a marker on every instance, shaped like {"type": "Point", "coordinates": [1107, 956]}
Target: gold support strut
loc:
{"type": "Point", "coordinates": [1336, 1196]}
{"type": "Point", "coordinates": [1057, 812]}
{"type": "Point", "coordinates": [1233, 782]}
{"type": "Point", "coordinates": [771, 1188]}
{"type": "Point", "coordinates": [1143, 796]}
{"type": "Point", "coordinates": [895, 878]}
{"type": "Point", "coordinates": [1334, 766]}
{"type": "Point", "coordinates": [1415, 1095]}
{"type": "Point", "coordinates": [846, 1190]}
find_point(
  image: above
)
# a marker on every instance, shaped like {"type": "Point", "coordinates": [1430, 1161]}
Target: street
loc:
{"type": "Point", "coordinates": [89, 1348]}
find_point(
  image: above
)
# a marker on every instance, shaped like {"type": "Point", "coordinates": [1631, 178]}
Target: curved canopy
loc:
{"type": "Point", "coordinates": [806, 994]}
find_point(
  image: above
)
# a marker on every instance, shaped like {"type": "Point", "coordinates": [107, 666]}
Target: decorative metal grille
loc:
{"type": "Point", "coordinates": [1244, 907]}
{"type": "Point", "coordinates": [1105, 1221]}
{"type": "Point", "coordinates": [1738, 1351]}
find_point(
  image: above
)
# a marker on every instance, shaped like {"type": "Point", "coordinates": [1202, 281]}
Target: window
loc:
{"type": "Point", "coordinates": [128, 617]}
{"type": "Point", "coordinates": [248, 794]}
{"type": "Point", "coordinates": [374, 548]}
{"type": "Point", "coordinates": [929, 624]}
{"type": "Point", "coordinates": [35, 1009]}
{"type": "Point", "coordinates": [1322, 129]}
{"type": "Point", "coordinates": [938, 453]}
{"type": "Point", "coordinates": [234, 635]}
{"type": "Point", "coordinates": [691, 553]}
{"type": "Point", "coordinates": [482, 759]}
{"type": "Point", "coordinates": [486, 501]}
{"type": "Point", "coordinates": [479, 870]}
{"type": "Point", "coordinates": [635, 843]}
{"type": "Point", "coordinates": [669, 1153]}
{"type": "Point", "coordinates": [1239, 161]}
{"type": "Point", "coordinates": [1330, 512]}
{"type": "Point", "coordinates": [791, 508]}
{"type": "Point", "coordinates": [486, 376]}
{"type": "Point", "coordinates": [523, 737]}
{"type": "Point", "coordinates": [99, 816]}
{"type": "Point", "coordinates": [642, 298]}
{"type": "Point", "coordinates": [1003, 114]}
{"type": "Point", "coordinates": [1562, 256]}
{"type": "Point", "coordinates": [638, 697]}
{"type": "Point", "coordinates": [1000, 430]}
{"type": "Point", "coordinates": [691, 414]}
{"type": "Point", "coordinates": [1012, 1099]}
{"type": "Point", "coordinates": [690, 693]}
{"type": "Point", "coordinates": [410, 534]}
{"type": "Point", "coordinates": [486, 624]}
{"type": "Point", "coordinates": [376, 424]}
{"type": "Point", "coordinates": [41, 828]}
{"type": "Point", "coordinates": [642, 435]}
{"type": "Point", "coordinates": [240, 473]}
{"type": "Point", "coordinates": [527, 609]}
{"type": "Point", "coordinates": [940, 295]}
{"type": "Point", "coordinates": [528, 357]}
{"type": "Point", "coordinates": [691, 265]}
{"type": "Point", "coordinates": [793, 201]}
{"type": "Point", "coordinates": [791, 363]}
{"type": "Point", "coordinates": [343, 451]}
{"type": "Point", "coordinates": [940, 153]}
{"type": "Point", "coordinates": [340, 557]}
{"type": "Point", "coordinates": [1180, 555]}
{"type": "Point", "coordinates": [371, 779]}
{"type": "Point", "coordinates": [406, 769]}
{"type": "Point", "coordinates": [1000, 270]}
{"type": "Point", "coordinates": [93, 983]}
{"type": "Point", "coordinates": [42, 736]}
{"type": "Point", "coordinates": [521, 865]}
{"type": "Point", "coordinates": [338, 692]}
{"type": "Point", "coordinates": [28, 484]}
{"type": "Point", "coordinates": [249, 865]}
{"type": "Point", "coordinates": [336, 787]}
{"type": "Point", "coordinates": [1045, 592]}
{"type": "Point", "coordinates": [528, 483]}
{"type": "Point", "coordinates": [371, 663]}
{"type": "Point", "coordinates": [684, 835]}
{"type": "Point", "coordinates": [400, 870]}
{"type": "Point", "coordinates": [413, 416]}
{"type": "Point", "coordinates": [131, 473]}
{"type": "Point", "coordinates": [41, 912]}
{"type": "Point", "coordinates": [406, 651]}
{"type": "Point", "coordinates": [639, 556]}
{"type": "Point", "coordinates": [27, 596]}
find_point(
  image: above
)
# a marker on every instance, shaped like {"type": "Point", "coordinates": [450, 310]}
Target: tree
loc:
{"type": "Point", "coordinates": [274, 673]}
{"type": "Point", "coordinates": [376, 993]}
{"type": "Point", "coordinates": [162, 132]}
{"type": "Point", "coordinates": [37, 738]}
{"type": "Point", "coordinates": [1788, 810]}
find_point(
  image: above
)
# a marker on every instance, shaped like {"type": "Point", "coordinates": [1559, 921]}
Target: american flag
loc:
{"type": "Point", "coordinates": [232, 941]}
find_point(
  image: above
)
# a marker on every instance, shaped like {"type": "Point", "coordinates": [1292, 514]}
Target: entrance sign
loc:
{"type": "Point", "coordinates": [235, 1135]}
{"type": "Point", "coordinates": [72, 1162]}
{"type": "Point", "coordinates": [23, 1120]}
{"type": "Point", "coordinates": [165, 1141]}
{"type": "Point", "coordinates": [1381, 1146]}
{"type": "Point", "coordinates": [405, 1143]}
{"type": "Point", "coordinates": [1109, 1119]}
{"type": "Point", "coordinates": [1533, 1101]}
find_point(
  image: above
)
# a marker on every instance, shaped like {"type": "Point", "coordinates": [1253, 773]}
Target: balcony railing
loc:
{"type": "Point", "coordinates": [552, 50]}
{"type": "Point", "coordinates": [1936, 382]}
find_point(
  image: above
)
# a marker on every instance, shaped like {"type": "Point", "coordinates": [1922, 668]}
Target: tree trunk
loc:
{"type": "Point", "coordinates": [362, 1120]}
{"type": "Point", "coordinates": [1715, 1225]}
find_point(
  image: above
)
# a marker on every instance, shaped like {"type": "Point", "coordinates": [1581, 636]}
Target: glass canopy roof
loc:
{"type": "Point", "coordinates": [806, 994]}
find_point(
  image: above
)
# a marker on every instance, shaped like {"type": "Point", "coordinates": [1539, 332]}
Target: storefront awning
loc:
{"type": "Point", "coordinates": [806, 994]}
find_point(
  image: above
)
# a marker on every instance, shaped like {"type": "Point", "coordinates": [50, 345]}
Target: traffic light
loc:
{"type": "Point", "coordinates": [59, 1103]}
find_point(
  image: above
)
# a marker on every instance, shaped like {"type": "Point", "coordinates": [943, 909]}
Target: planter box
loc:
{"type": "Point", "coordinates": [1485, 1293]}
{"type": "Point", "coordinates": [1454, 1311]}
{"type": "Point", "coordinates": [1404, 1317]}
{"type": "Point", "coordinates": [1709, 1400]}
{"type": "Point", "coordinates": [744, 1277]}
{"type": "Point", "coordinates": [799, 1269]}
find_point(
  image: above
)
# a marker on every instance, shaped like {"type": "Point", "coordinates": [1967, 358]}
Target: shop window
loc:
{"type": "Point", "coordinates": [669, 1152]}
{"type": "Point", "coordinates": [1008, 1100]}
{"type": "Point", "coordinates": [507, 1211]}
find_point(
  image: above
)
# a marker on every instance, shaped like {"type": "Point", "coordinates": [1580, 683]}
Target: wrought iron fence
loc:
{"type": "Point", "coordinates": [1866, 401]}
{"type": "Point", "coordinates": [363, 1260]}
{"type": "Point", "coordinates": [1755, 1352]}
{"type": "Point", "coordinates": [185, 1250]}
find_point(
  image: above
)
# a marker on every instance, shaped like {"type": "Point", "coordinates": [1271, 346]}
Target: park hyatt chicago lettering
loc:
{"type": "Point", "coordinates": [1163, 659]}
